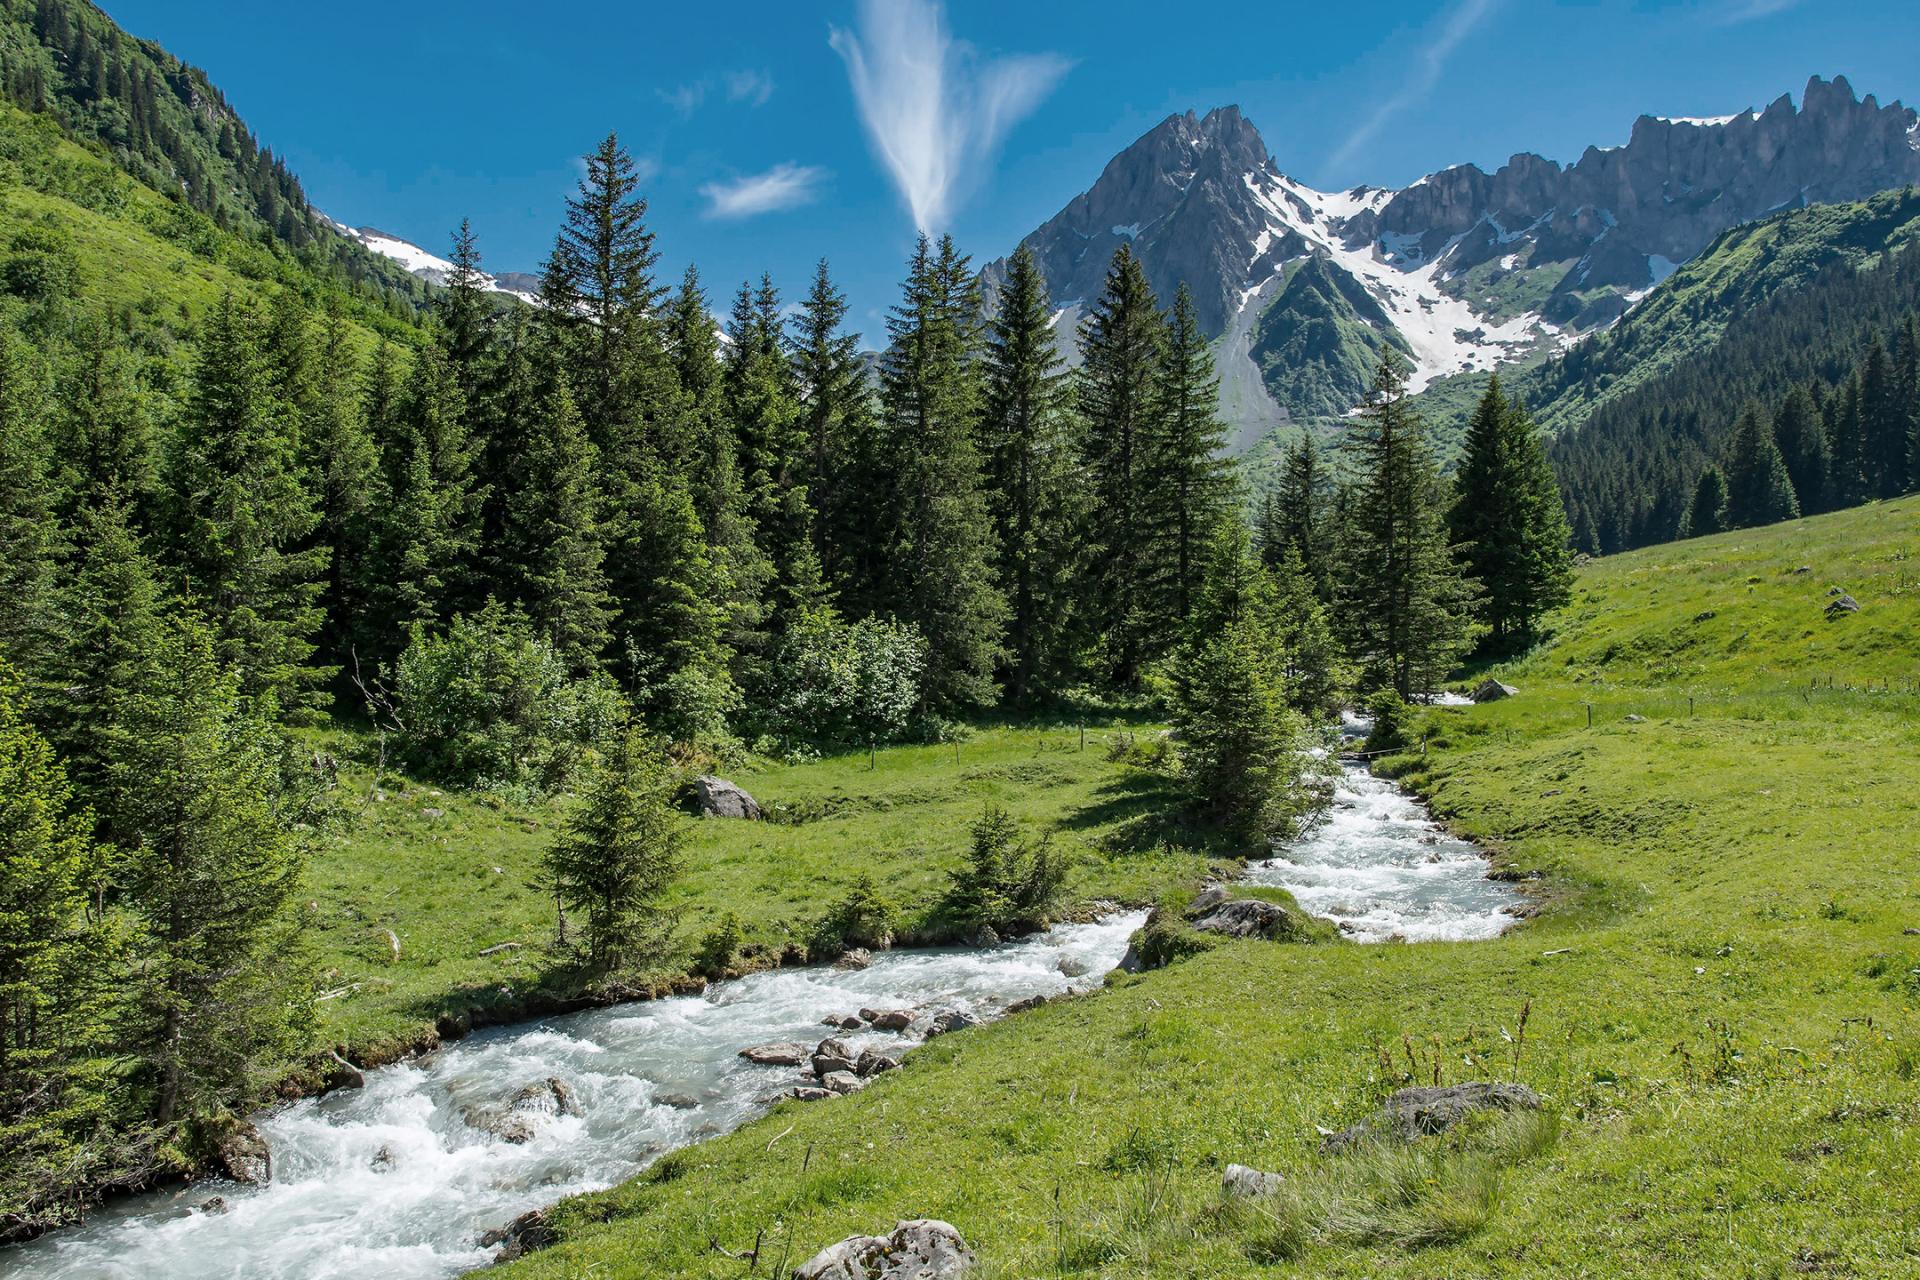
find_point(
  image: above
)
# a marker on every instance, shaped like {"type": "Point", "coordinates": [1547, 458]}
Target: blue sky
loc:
{"type": "Point", "coordinates": [749, 115]}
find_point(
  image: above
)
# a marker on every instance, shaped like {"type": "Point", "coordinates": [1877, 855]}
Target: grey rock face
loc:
{"type": "Point", "coordinates": [923, 1249]}
{"type": "Point", "coordinates": [243, 1155]}
{"type": "Point", "coordinates": [1247, 918]}
{"type": "Point", "coordinates": [873, 1062]}
{"type": "Point", "coordinates": [832, 1054]}
{"type": "Point", "coordinates": [1491, 690]}
{"type": "Point", "coordinates": [952, 1020]}
{"type": "Point", "coordinates": [888, 1019]}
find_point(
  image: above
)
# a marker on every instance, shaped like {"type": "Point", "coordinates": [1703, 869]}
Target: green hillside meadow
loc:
{"type": "Point", "coordinates": [1716, 998]}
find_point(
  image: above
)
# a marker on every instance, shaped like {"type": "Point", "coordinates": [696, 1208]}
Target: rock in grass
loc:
{"type": "Point", "coordinates": [1428, 1109]}
{"type": "Point", "coordinates": [832, 1054]}
{"type": "Point", "coordinates": [842, 1082]}
{"type": "Point", "coordinates": [717, 798]}
{"type": "Point", "coordinates": [812, 1093]}
{"type": "Point", "coordinates": [1247, 918]}
{"type": "Point", "coordinates": [1491, 690]}
{"type": "Point", "coordinates": [872, 1062]}
{"type": "Point", "coordinates": [952, 1020]}
{"type": "Point", "coordinates": [923, 1249]}
{"type": "Point", "coordinates": [783, 1054]}
{"type": "Point", "coordinates": [1842, 604]}
{"type": "Point", "coordinates": [1243, 1183]}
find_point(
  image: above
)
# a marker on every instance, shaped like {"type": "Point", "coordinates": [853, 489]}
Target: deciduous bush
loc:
{"type": "Point", "coordinates": [849, 681]}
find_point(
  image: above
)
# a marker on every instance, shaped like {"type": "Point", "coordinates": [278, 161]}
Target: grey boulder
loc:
{"type": "Point", "coordinates": [1429, 1109]}
{"type": "Point", "coordinates": [872, 1062]}
{"type": "Point", "coordinates": [1243, 1183]}
{"type": "Point", "coordinates": [888, 1019]}
{"type": "Point", "coordinates": [243, 1155]}
{"type": "Point", "coordinates": [1491, 690]}
{"type": "Point", "coordinates": [923, 1249]}
{"type": "Point", "coordinates": [832, 1054]}
{"type": "Point", "coordinates": [1246, 918]}
{"type": "Point", "coordinates": [786, 1053]}
{"type": "Point", "coordinates": [952, 1020]}
{"type": "Point", "coordinates": [718, 798]}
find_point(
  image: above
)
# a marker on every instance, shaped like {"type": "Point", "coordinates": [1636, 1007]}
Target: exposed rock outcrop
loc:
{"type": "Point", "coordinates": [717, 798]}
{"type": "Point", "coordinates": [923, 1249]}
{"type": "Point", "coordinates": [1429, 1109]}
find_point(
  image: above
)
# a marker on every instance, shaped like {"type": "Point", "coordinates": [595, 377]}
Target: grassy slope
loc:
{"type": "Point", "coordinates": [453, 883]}
{"type": "Point", "coordinates": [1723, 1000]}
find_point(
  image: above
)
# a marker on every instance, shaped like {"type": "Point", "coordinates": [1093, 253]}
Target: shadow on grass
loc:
{"type": "Point", "coordinates": [1140, 811]}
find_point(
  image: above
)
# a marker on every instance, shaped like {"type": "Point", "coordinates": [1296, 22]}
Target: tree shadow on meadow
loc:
{"type": "Point", "coordinates": [1141, 810]}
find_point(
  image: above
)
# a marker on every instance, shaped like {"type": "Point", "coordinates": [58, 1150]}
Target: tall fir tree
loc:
{"type": "Point", "coordinates": [1759, 491]}
{"type": "Point", "coordinates": [763, 403]}
{"type": "Point", "coordinates": [59, 965]}
{"type": "Point", "coordinates": [343, 467]}
{"type": "Point", "coordinates": [1847, 482]}
{"type": "Point", "coordinates": [619, 853]}
{"type": "Point", "coordinates": [1299, 514]}
{"type": "Point", "coordinates": [1030, 444]}
{"type": "Point", "coordinates": [1883, 425]}
{"type": "Point", "coordinates": [671, 630]}
{"type": "Point", "coordinates": [1906, 373]}
{"type": "Point", "coordinates": [1802, 440]}
{"type": "Point", "coordinates": [1405, 603]}
{"type": "Point", "coordinates": [941, 548]}
{"type": "Point", "coordinates": [102, 430]}
{"type": "Point", "coordinates": [553, 546]}
{"type": "Point", "coordinates": [1707, 508]}
{"type": "Point", "coordinates": [1507, 522]}
{"type": "Point", "coordinates": [1189, 481]}
{"type": "Point", "coordinates": [210, 868]}
{"type": "Point", "coordinates": [464, 313]}
{"type": "Point", "coordinates": [1120, 345]}
{"type": "Point", "coordinates": [244, 517]}
{"type": "Point", "coordinates": [837, 414]}
{"type": "Point", "coordinates": [28, 540]}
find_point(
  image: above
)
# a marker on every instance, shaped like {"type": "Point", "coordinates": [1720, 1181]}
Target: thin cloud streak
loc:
{"type": "Point", "coordinates": [750, 87]}
{"type": "Point", "coordinates": [1421, 80]}
{"type": "Point", "coordinates": [785, 186]}
{"type": "Point", "coordinates": [934, 109]}
{"type": "Point", "coordinates": [1737, 12]}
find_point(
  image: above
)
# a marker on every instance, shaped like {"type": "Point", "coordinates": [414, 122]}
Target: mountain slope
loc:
{"type": "Point", "coordinates": [1468, 270]}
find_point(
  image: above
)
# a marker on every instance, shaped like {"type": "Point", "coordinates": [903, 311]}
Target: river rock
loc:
{"type": "Point", "coordinates": [1491, 690]}
{"type": "Point", "coordinates": [923, 1249]}
{"type": "Point", "coordinates": [832, 1054]}
{"type": "Point", "coordinates": [383, 1160]}
{"type": "Point", "coordinates": [873, 1061]}
{"type": "Point", "coordinates": [1031, 1002]}
{"type": "Point", "coordinates": [812, 1093]}
{"type": "Point", "coordinates": [1247, 918]}
{"type": "Point", "coordinates": [529, 1231]}
{"type": "Point", "coordinates": [786, 1053]}
{"type": "Point", "coordinates": [842, 1021]}
{"type": "Point", "coordinates": [678, 1101]}
{"type": "Point", "coordinates": [213, 1207]}
{"type": "Point", "coordinates": [244, 1156]}
{"type": "Point", "coordinates": [952, 1020]}
{"type": "Point", "coordinates": [1243, 1183]}
{"type": "Point", "coordinates": [717, 798]}
{"type": "Point", "coordinates": [549, 1097]}
{"type": "Point", "coordinates": [843, 1082]}
{"type": "Point", "coordinates": [888, 1019]}
{"type": "Point", "coordinates": [1073, 967]}
{"type": "Point", "coordinates": [858, 958]}
{"type": "Point", "coordinates": [1429, 1109]}
{"type": "Point", "coordinates": [982, 935]}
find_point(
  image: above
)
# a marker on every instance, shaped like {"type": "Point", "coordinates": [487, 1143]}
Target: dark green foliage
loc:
{"type": "Point", "coordinates": [1404, 603]}
{"type": "Point", "coordinates": [27, 535]}
{"type": "Point", "coordinates": [1029, 440]}
{"type": "Point", "coordinates": [243, 516]}
{"type": "Point", "coordinates": [1188, 481]}
{"type": "Point", "coordinates": [864, 918]}
{"type": "Point", "coordinates": [1007, 884]}
{"type": "Point", "coordinates": [619, 853]}
{"type": "Point", "coordinates": [1802, 440]}
{"type": "Point", "coordinates": [1297, 513]}
{"type": "Point", "coordinates": [1883, 424]}
{"type": "Point", "coordinates": [58, 959]}
{"type": "Point", "coordinates": [429, 534]}
{"type": "Point", "coordinates": [1120, 344]}
{"type": "Point", "coordinates": [1707, 509]}
{"type": "Point", "coordinates": [940, 561]}
{"type": "Point", "coordinates": [836, 408]}
{"type": "Point", "coordinates": [553, 553]}
{"type": "Point", "coordinates": [1759, 491]}
{"type": "Point", "coordinates": [210, 861]}
{"type": "Point", "coordinates": [1390, 716]}
{"type": "Point", "coordinates": [855, 683]}
{"type": "Point", "coordinates": [1507, 523]}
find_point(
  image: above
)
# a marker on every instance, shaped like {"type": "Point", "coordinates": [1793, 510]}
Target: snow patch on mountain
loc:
{"type": "Point", "coordinates": [418, 262]}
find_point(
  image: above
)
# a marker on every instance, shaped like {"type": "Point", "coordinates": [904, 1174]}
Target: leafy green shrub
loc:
{"type": "Point", "coordinates": [40, 266]}
{"type": "Point", "coordinates": [861, 919]}
{"type": "Point", "coordinates": [488, 704]}
{"type": "Point", "coordinates": [720, 947]}
{"type": "Point", "coordinates": [848, 682]}
{"type": "Point", "coordinates": [1006, 883]}
{"type": "Point", "coordinates": [1390, 716]}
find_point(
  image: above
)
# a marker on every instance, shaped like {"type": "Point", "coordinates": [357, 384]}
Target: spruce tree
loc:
{"type": "Point", "coordinates": [1847, 481]}
{"type": "Point", "coordinates": [1299, 515]}
{"type": "Point", "coordinates": [1507, 522]}
{"type": "Point", "coordinates": [59, 962]}
{"type": "Point", "coordinates": [1030, 443]}
{"type": "Point", "coordinates": [1803, 446]}
{"type": "Point", "coordinates": [1189, 483]}
{"type": "Point", "coordinates": [464, 313]}
{"type": "Point", "coordinates": [941, 548]}
{"type": "Point", "coordinates": [671, 626]}
{"type": "Point", "coordinates": [1759, 490]}
{"type": "Point", "coordinates": [555, 553]}
{"type": "Point", "coordinates": [1120, 345]}
{"type": "Point", "coordinates": [619, 853]}
{"type": "Point", "coordinates": [102, 431]}
{"type": "Point", "coordinates": [344, 469]}
{"type": "Point", "coordinates": [1404, 601]}
{"type": "Point", "coordinates": [210, 866]}
{"type": "Point", "coordinates": [27, 533]}
{"type": "Point", "coordinates": [243, 517]}
{"type": "Point", "coordinates": [1883, 425]}
{"type": "Point", "coordinates": [763, 403]}
{"type": "Point", "coordinates": [836, 409]}
{"type": "Point", "coordinates": [429, 535]}
{"type": "Point", "coordinates": [1907, 393]}
{"type": "Point", "coordinates": [1707, 509]}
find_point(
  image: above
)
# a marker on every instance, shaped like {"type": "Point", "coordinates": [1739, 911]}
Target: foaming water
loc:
{"type": "Point", "coordinates": [1380, 867]}
{"type": "Point", "coordinates": [393, 1181]}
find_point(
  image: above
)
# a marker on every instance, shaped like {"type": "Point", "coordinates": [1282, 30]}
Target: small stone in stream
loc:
{"type": "Point", "coordinates": [1430, 1109]}
{"type": "Point", "coordinates": [812, 1093]}
{"type": "Point", "coordinates": [1031, 1002]}
{"type": "Point", "coordinates": [552, 1096]}
{"type": "Point", "coordinates": [383, 1159]}
{"type": "Point", "coordinates": [952, 1020]}
{"type": "Point", "coordinates": [216, 1205]}
{"type": "Point", "coordinates": [1491, 690]}
{"type": "Point", "coordinates": [872, 1062]}
{"type": "Point", "coordinates": [832, 1054]}
{"type": "Point", "coordinates": [843, 1082]}
{"type": "Point", "coordinates": [841, 1021]}
{"type": "Point", "coordinates": [858, 958]}
{"type": "Point", "coordinates": [784, 1054]}
{"type": "Point", "coordinates": [924, 1249]}
{"type": "Point", "coordinates": [678, 1101]}
{"type": "Point", "coordinates": [888, 1019]}
{"type": "Point", "coordinates": [1073, 967]}
{"type": "Point", "coordinates": [982, 936]}
{"type": "Point", "coordinates": [1243, 1183]}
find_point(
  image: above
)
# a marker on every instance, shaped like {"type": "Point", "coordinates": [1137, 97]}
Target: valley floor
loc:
{"type": "Point", "coordinates": [1717, 1001]}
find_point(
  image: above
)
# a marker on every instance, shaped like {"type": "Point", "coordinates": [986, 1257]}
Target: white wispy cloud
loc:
{"type": "Point", "coordinates": [784, 186]}
{"type": "Point", "coordinates": [1735, 12]}
{"type": "Point", "coordinates": [751, 87]}
{"type": "Point", "coordinates": [934, 108]}
{"type": "Point", "coordinates": [1420, 79]}
{"type": "Point", "coordinates": [686, 98]}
